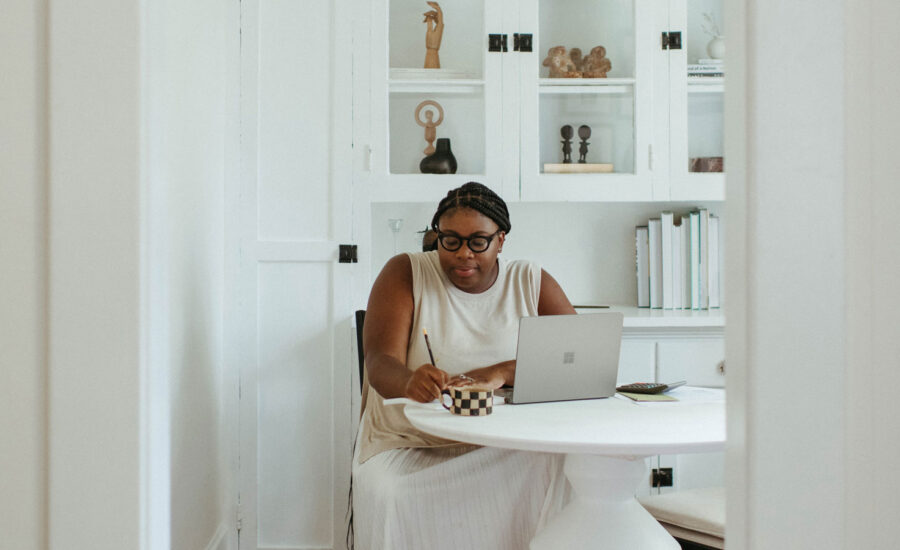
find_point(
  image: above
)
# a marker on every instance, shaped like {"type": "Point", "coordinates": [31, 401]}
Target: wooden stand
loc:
{"type": "Point", "coordinates": [577, 168]}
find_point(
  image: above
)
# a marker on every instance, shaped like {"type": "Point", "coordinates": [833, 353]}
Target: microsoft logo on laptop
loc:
{"type": "Point", "coordinates": [568, 357]}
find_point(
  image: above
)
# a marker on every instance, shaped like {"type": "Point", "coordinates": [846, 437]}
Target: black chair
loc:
{"type": "Point", "coordinates": [360, 319]}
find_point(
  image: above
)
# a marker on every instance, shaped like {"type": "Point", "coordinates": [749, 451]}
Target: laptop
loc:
{"type": "Point", "coordinates": [565, 357]}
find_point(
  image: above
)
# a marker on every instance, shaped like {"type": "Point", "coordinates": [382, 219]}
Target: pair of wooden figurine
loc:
{"type": "Point", "coordinates": [584, 132]}
{"type": "Point", "coordinates": [570, 64]}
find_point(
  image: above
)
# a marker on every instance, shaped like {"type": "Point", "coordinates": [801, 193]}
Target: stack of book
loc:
{"type": "Point", "coordinates": [677, 261]}
{"type": "Point", "coordinates": [706, 67]}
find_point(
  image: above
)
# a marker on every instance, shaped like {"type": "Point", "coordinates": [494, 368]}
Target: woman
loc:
{"type": "Point", "coordinates": [412, 489]}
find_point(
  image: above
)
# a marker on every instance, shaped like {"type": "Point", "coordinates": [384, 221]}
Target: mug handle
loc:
{"type": "Point", "coordinates": [447, 393]}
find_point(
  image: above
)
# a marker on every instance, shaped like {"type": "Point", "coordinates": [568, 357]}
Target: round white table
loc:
{"type": "Point", "coordinates": [606, 442]}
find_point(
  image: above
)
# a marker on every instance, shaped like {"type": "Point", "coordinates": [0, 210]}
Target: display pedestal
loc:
{"type": "Point", "coordinates": [604, 512]}
{"type": "Point", "coordinates": [577, 168]}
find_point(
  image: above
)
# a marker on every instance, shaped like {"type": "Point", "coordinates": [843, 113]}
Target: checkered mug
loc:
{"type": "Point", "coordinates": [468, 401]}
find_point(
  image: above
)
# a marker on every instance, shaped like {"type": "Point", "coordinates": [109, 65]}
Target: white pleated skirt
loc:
{"type": "Point", "coordinates": [456, 497]}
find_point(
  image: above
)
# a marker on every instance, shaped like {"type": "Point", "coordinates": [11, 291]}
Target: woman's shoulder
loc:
{"type": "Point", "coordinates": [522, 267]}
{"type": "Point", "coordinates": [396, 272]}
{"type": "Point", "coordinates": [397, 264]}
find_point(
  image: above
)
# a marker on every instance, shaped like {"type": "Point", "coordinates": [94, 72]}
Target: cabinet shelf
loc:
{"type": "Point", "coordinates": [646, 318]}
{"type": "Point", "coordinates": [454, 86]}
{"type": "Point", "coordinates": [705, 84]}
{"type": "Point", "coordinates": [585, 85]}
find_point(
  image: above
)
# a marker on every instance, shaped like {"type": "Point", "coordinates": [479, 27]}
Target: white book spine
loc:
{"type": "Point", "coordinates": [676, 267]}
{"type": "Point", "coordinates": [685, 263]}
{"type": "Point", "coordinates": [704, 258]}
{"type": "Point", "coordinates": [655, 263]}
{"type": "Point", "coordinates": [666, 222]}
{"type": "Point", "coordinates": [713, 262]}
{"type": "Point", "coordinates": [642, 264]}
{"type": "Point", "coordinates": [695, 260]}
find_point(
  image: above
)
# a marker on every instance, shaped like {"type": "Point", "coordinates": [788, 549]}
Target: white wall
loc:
{"type": "Point", "coordinates": [812, 266]}
{"type": "Point", "coordinates": [188, 121]}
{"type": "Point", "coordinates": [94, 353]}
{"type": "Point", "coordinates": [872, 264]}
{"type": "Point", "coordinates": [591, 254]}
{"type": "Point", "coordinates": [113, 152]}
{"type": "Point", "coordinates": [23, 275]}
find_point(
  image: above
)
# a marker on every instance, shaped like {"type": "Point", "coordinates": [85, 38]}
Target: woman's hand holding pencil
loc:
{"type": "Point", "coordinates": [427, 382]}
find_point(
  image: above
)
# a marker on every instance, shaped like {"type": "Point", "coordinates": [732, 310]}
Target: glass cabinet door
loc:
{"type": "Point", "coordinates": [457, 102]}
{"type": "Point", "coordinates": [697, 76]}
{"type": "Point", "coordinates": [586, 100]}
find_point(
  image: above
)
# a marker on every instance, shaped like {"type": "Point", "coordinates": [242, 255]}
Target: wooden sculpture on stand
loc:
{"type": "Point", "coordinates": [434, 31]}
{"type": "Point", "coordinates": [429, 123]}
{"type": "Point", "coordinates": [560, 63]}
{"type": "Point", "coordinates": [596, 64]}
{"type": "Point", "coordinates": [584, 132]}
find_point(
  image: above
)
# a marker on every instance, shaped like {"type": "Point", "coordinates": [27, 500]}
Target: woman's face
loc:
{"type": "Point", "coordinates": [470, 271]}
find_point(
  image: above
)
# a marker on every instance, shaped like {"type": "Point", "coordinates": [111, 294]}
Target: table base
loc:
{"type": "Point", "coordinates": [604, 512]}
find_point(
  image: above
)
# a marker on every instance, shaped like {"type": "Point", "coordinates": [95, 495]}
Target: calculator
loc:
{"type": "Point", "coordinates": [649, 387]}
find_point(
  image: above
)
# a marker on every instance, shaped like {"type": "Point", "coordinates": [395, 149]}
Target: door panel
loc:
{"type": "Point", "coordinates": [295, 413]}
{"type": "Point", "coordinates": [293, 301]}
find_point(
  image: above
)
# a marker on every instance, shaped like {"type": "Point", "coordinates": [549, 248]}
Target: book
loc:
{"type": "Point", "coordinates": [677, 283]}
{"type": "Point", "coordinates": [707, 68]}
{"type": "Point", "coordinates": [710, 61]}
{"type": "Point", "coordinates": [666, 224]}
{"type": "Point", "coordinates": [704, 258]}
{"type": "Point", "coordinates": [713, 261]}
{"type": "Point", "coordinates": [695, 259]}
{"type": "Point", "coordinates": [654, 228]}
{"type": "Point", "coordinates": [685, 262]}
{"type": "Point", "coordinates": [642, 264]}
{"type": "Point", "coordinates": [706, 75]}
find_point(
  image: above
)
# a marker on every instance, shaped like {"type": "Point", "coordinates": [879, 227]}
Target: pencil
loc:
{"type": "Point", "coordinates": [428, 344]}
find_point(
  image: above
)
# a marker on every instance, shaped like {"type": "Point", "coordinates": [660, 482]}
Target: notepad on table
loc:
{"type": "Point", "coordinates": [648, 396]}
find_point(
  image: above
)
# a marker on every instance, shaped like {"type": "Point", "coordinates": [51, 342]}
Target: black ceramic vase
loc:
{"type": "Point", "coordinates": [441, 161]}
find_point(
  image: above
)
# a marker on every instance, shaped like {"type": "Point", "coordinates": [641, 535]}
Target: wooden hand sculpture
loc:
{"type": "Point", "coordinates": [434, 21]}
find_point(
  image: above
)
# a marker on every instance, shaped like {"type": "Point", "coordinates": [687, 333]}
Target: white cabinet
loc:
{"type": "Point", "coordinates": [667, 346]}
{"type": "Point", "coordinates": [503, 114]}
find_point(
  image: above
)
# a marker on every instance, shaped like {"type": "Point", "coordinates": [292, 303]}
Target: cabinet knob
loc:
{"type": "Point", "coordinates": [720, 368]}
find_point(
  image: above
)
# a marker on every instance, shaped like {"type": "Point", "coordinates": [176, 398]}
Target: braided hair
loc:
{"type": "Point", "coordinates": [478, 197]}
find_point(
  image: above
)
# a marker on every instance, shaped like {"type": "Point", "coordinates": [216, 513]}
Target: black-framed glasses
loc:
{"type": "Point", "coordinates": [477, 244]}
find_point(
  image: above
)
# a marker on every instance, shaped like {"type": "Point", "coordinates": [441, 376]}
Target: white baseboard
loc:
{"type": "Point", "coordinates": [219, 541]}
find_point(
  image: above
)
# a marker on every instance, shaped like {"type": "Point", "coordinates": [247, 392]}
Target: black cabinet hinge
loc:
{"type": "Point", "coordinates": [522, 42]}
{"type": "Point", "coordinates": [671, 40]}
{"type": "Point", "coordinates": [497, 43]}
{"type": "Point", "coordinates": [347, 254]}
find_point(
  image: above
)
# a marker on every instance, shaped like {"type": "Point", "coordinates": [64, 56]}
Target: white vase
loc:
{"type": "Point", "coordinates": [716, 48]}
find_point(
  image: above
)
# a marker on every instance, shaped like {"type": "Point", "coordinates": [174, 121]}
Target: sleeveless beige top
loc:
{"type": "Point", "coordinates": [467, 331]}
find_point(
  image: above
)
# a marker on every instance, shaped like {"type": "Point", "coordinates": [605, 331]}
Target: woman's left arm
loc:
{"type": "Point", "coordinates": [552, 299]}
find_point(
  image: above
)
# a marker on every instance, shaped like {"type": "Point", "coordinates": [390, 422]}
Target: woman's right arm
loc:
{"type": "Point", "coordinates": [386, 332]}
